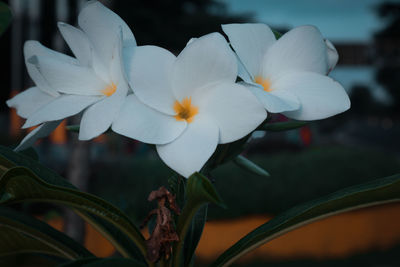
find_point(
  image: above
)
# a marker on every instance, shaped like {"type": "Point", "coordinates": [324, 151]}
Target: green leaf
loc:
{"type": "Point", "coordinates": [19, 159]}
{"type": "Point", "coordinates": [73, 128]}
{"type": "Point", "coordinates": [21, 233]}
{"type": "Point", "coordinates": [199, 191]}
{"type": "Point", "coordinates": [30, 259]}
{"type": "Point", "coordinates": [14, 242]}
{"type": "Point", "coordinates": [379, 191]}
{"type": "Point", "coordinates": [30, 152]}
{"type": "Point", "coordinates": [120, 241]}
{"type": "Point", "coordinates": [283, 126]}
{"type": "Point", "coordinates": [110, 262]}
{"type": "Point", "coordinates": [5, 165]}
{"type": "Point", "coordinates": [5, 17]}
{"type": "Point", "coordinates": [250, 166]}
{"type": "Point", "coordinates": [20, 185]}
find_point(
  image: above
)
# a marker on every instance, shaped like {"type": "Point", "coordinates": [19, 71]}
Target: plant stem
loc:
{"type": "Point", "coordinates": [182, 229]}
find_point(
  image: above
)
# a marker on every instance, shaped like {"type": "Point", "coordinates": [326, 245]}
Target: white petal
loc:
{"type": "Point", "coordinates": [243, 72]}
{"type": "Point", "coordinates": [250, 41]}
{"type": "Point", "coordinates": [60, 108]}
{"type": "Point", "coordinates": [191, 40]}
{"type": "Point", "coordinates": [101, 26]}
{"type": "Point", "coordinates": [127, 54]}
{"type": "Point", "coordinates": [149, 77]}
{"type": "Point", "coordinates": [301, 49]}
{"type": "Point", "coordinates": [77, 42]}
{"type": "Point", "coordinates": [68, 78]}
{"type": "Point", "coordinates": [275, 101]}
{"type": "Point", "coordinates": [102, 71]}
{"type": "Point", "coordinates": [39, 132]}
{"type": "Point", "coordinates": [29, 101]}
{"type": "Point", "coordinates": [99, 117]}
{"type": "Point", "coordinates": [140, 122]}
{"type": "Point", "coordinates": [206, 60]}
{"type": "Point", "coordinates": [236, 111]}
{"type": "Point", "coordinates": [191, 150]}
{"type": "Point", "coordinates": [34, 48]}
{"type": "Point", "coordinates": [118, 75]}
{"type": "Point", "coordinates": [319, 95]}
{"type": "Point", "coordinates": [333, 55]}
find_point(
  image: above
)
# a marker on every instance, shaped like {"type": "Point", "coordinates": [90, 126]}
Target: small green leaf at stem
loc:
{"type": "Point", "coordinates": [250, 166]}
{"type": "Point", "coordinates": [200, 190]}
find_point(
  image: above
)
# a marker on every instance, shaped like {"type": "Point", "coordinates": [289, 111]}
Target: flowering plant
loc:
{"type": "Point", "coordinates": [198, 108]}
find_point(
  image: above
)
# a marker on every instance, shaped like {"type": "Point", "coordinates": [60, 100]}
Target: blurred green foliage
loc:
{"type": "Point", "coordinates": [5, 17]}
{"type": "Point", "coordinates": [296, 177]}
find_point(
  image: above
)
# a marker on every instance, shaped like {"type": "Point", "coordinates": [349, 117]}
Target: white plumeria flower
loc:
{"type": "Point", "coordinates": [289, 75]}
{"type": "Point", "coordinates": [32, 99]}
{"type": "Point", "coordinates": [94, 81]}
{"type": "Point", "coordinates": [194, 101]}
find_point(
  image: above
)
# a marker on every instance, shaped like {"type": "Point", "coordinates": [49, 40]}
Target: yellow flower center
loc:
{"type": "Point", "coordinates": [185, 110]}
{"type": "Point", "coordinates": [265, 83]}
{"type": "Point", "coordinates": [110, 89]}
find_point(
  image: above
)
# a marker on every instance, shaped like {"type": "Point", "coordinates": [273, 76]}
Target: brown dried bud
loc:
{"type": "Point", "coordinates": [164, 232]}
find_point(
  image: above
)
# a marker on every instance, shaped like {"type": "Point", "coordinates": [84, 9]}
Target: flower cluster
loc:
{"type": "Point", "coordinates": [187, 104]}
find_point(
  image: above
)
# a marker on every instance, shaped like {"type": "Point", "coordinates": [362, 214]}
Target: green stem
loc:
{"type": "Point", "coordinates": [182, 229]}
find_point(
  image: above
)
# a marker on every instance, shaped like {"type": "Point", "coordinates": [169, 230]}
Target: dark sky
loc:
{"type": "Point", "coordinates": [338, 20]}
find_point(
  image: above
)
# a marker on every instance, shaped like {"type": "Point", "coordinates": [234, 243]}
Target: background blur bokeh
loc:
{"type": "Point", "coordinates": [360, 145]}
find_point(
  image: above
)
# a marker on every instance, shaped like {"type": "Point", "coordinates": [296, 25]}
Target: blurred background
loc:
{"type": "Point", "coordinates": [360, 145]}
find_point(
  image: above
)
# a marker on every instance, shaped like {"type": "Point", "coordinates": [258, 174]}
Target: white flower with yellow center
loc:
{"type": "Point", "coordinates": [93, 82]}
{"type": "Point", "coordinates": [194, 100]}
{"type": "Point", "coordinates": [289, 75]}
